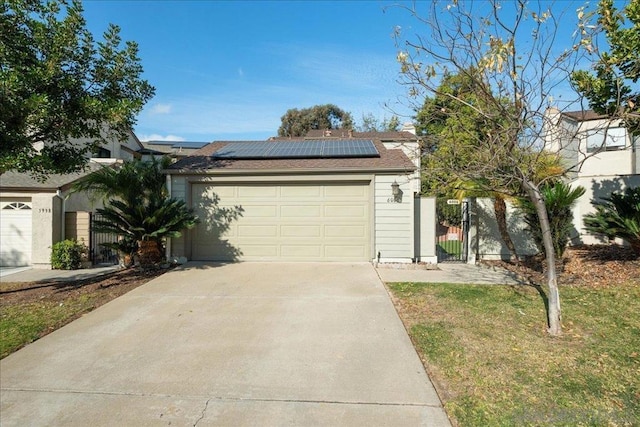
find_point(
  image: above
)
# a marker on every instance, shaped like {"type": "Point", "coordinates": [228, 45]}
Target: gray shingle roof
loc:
{"type": "Point", "coordinates": [11, 180]}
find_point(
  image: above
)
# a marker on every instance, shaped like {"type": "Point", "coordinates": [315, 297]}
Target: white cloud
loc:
{"type": "Point", "coordinates": [156, 137]}
{"type": "Point", "coordinates": [160, 109]}
{"type": "Point", "coordinates": [240, 72]}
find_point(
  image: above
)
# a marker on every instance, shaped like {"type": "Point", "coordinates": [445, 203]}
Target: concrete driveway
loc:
{"type": "Point", "coordinates": [258, 344]}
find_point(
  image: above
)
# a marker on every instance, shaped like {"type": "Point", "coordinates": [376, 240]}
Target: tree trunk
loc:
{"type": "Point", "coordinates": [148, 253]}
{"type": "Point", "coordinates": [553, 311]}
{"type": "Point", "coordinates": [500, 208]}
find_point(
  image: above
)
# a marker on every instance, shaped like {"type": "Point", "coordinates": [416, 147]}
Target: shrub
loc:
{"type": "Point", "coordinates": [560, 199]}
{"type": "Point", "coordinates": [618, 216]}
{"type": "Point", "coordinates": [67, 255]}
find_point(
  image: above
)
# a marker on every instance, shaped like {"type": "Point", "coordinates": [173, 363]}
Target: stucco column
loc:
{"type": "Point", "coordinates": [46, 228]}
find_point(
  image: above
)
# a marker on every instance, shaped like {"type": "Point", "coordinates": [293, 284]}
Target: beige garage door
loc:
{"type": "Point", "coordinates": [286, 222]}
{"type": "Point", "coordinates": [15, 234]}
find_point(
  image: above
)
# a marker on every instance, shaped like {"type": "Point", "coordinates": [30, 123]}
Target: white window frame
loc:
{"type": "Point", "coordinates": [609, 139]}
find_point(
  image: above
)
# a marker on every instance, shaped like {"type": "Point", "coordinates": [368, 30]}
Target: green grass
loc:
{"type": "Point", "coordinates": [23, 323]}
{"type": "Point", "coordinates": [486, 349]}
{"type": "Point", "coordinates": [451, 247]}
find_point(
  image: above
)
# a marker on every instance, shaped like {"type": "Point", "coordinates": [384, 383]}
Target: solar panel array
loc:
{"type": "Point", "coordinates": [301, 149]}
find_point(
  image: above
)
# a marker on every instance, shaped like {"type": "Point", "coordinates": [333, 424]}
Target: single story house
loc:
{"type": "Point", "coordinates": [316, 199]}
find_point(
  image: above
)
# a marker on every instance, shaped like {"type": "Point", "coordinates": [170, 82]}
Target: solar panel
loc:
{"type": "Point", "coordinates": [300, 149]}
{"type": "Point", "coordinates": [291, 149]}
{"type": "Point", "coordinates": [349, 148]}
{"type": "Point", "coordinates": [243, 150]}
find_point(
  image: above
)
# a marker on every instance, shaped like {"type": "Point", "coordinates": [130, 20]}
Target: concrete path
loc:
{"type": "Point", "coordinates": [26, 274]}
{"type": "Point", "coordinates": [452, 273]}
{"type": "Point", "coordinates": [249, 344]}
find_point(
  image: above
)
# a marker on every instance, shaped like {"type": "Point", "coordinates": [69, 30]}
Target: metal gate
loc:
{"type": "Point", "coordinates": [98, 253]}
{"type": "Point", "coordinates": [452, 230]}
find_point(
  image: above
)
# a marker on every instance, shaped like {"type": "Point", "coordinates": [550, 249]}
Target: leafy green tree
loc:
{"type": "Point", "coordinates": [452, 131]}
{"type": "Point", "coordinates": [512, 57]}
{"type": "Point", "coordinates": [369, 123]}
{"type": "Point", "coordinates": [138, 207]}
{"type": "Point", "coordinates": [59, 87]}
{"type": "Point", "coordinates": [618, 216]}
{"type": "Point", "coordinates": [297, 122]}
{"type": "Point", "coordinates": [611, 88]}
{"type": "Point", "coordinates": [559, 198]}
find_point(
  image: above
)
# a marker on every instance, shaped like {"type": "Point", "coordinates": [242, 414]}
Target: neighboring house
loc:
{"type": "Point", "coordinates": [174, 149]}
{"type": "Point", "coordinates": [320, 198]}
{"type": "Point", "coordinates": [602, 156]}
{"type": "Point", "coordinates": [606, 158]}
{"type": "Point", "coordinates": [36, 214]}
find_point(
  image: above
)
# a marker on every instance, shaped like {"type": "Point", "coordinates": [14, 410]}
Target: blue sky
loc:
{"type": "Point", "coordinates": [230, 70]}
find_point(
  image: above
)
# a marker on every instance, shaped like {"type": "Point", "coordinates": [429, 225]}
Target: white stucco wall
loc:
{"type": "Point", "coordinates": [425, 229]}
{"type": "Point", "coordinates": [47, 227]}
{"type": "Point", "coordinates": [597, 187]}
{"type": "Point", "coordinates": [393, 223]}
{"type": "Point", "coordinates": [485, 240]}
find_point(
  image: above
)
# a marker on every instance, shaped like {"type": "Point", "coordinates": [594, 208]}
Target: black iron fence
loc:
{"type": "Point", "coordinates": [452, 232]}
{"type": "Point", "coordinates": [98, 253]}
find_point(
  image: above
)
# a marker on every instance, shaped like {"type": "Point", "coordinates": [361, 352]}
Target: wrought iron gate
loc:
{"type": "Point", "coordinates": [98, 253]}
{"type": "Point", "coordinates": [452, 230]}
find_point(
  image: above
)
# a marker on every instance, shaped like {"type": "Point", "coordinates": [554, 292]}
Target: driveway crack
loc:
{"type": "Point", "coordinates": [204, 411]}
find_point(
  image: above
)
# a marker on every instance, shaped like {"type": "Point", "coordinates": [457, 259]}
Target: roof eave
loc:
{"type": "Point", "coordinates": [286, 171]}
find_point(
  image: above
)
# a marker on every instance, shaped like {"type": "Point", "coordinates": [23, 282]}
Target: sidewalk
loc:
{"type": "Point", "coordinates": [451, 273]}
{"type": "Point", "coordinates": [23, 274]}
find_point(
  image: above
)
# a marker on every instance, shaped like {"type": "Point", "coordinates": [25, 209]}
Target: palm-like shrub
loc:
{"type": "Point", "coordinates": [618, 216]}
{"type": "Point", "coordinates": [559, 199]}
{"type": "Point", "coordinates": [138, 207]}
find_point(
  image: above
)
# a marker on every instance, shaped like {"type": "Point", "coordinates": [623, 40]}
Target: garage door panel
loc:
{"type": "Point", "coordinates": [257, 230]}
{"type": "Point", "coordinates": [346, 192]}
{"type": "Point", "coordinates": [260, 211]}
{"type": "Point", "coordinates": [300, 192]}
{"type": "Point", "coordinates": [253, 192]}
{"type": "Point", "coordinates": [259, 251]}
{"type": "Point", "coordinates": [301, 231]}
{"type": "Point", "coordinates": [222, 192]}
{"type": "Point", "coordinates": [302, 222]}
{"type": "Point", "coordinates": [306, 252]}
{"type": "Point", "coordinates": [355, 211]}
{"type": "Point", "coordinates": [300, 211]}
{"type": "Point", "coordinates": [345, 231]}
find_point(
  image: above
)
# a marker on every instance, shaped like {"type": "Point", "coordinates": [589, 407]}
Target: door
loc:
{"type": "Point", "coordinates": [452, 230]}
{"type": "Point", "coordinates": [15, 234]}
{"type": "Point", "coordinates": [282, 222]}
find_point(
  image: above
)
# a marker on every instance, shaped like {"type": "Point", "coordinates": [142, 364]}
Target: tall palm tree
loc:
{"type": "Point", "coordinates": [559, 198]}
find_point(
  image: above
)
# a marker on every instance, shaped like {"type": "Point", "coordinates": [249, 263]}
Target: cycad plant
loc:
{"type": "Point", "coordinates": [138, 207]}
{"type": "Point", "coordinates": [559, 198]}
{"type": "Point", "coordinates": [618, 216]}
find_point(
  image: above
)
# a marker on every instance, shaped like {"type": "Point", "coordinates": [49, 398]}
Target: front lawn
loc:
{"type": "Point", "coordinates": [487, 351]}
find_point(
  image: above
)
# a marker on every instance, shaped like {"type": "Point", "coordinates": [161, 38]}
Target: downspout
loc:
{"type": "Point", "coordinates": [167, 249]}
{"type": "Point", "coordinates": [635, 139]}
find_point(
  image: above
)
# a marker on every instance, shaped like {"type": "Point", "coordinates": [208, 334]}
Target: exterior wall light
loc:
{"type": "Point", "coordinates": [395, 189]}
{"type": "Point", "coordinates": [396, 193]}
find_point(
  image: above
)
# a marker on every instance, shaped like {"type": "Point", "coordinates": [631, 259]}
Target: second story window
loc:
{"type": "Point", "coordinates": [610, 139]}
{"type": "Point", "coordinates": [102, 153]}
